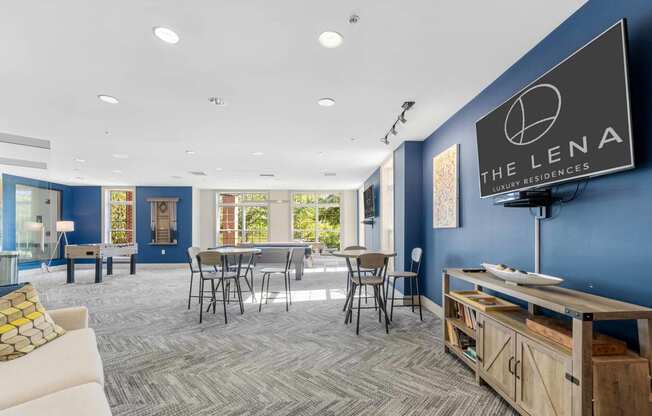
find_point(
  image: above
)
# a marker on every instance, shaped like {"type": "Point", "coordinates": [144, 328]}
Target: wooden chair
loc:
{"type": "Point", "coordinates": [216, 271]}
{"type": "Point", "coordinates": [409, 276]}
{"type": "Point", "coordinates": [268, 272]}
{"type": "Point", "coordinates": [378, 264]}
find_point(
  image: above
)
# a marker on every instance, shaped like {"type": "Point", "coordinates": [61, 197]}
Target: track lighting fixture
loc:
{"type": "Point", "coordinates": [401, 118]}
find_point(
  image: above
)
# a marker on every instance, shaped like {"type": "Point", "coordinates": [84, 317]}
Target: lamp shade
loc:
{"type": "Point", "coordinates": [65, 226]}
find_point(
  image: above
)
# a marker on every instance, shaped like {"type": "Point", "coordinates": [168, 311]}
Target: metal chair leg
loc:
{"type": "Point", "coordinates": [267, 291]}
{"type": "Point", "coordinates": [213, 299]}
{"type": "Point", "coordinates": [391, 315]}
{"type": "Point", "coordinates": [376, 288]}
{"type": "Point", "coordinates": [416, 279]}
{"type": "Point", "coordinates": [383, 306]}
{"type": "Point", "coordinates": [357, 325]}
{"type": "Point", "coordinates": [190, 292]}
{"type": "Point", "coordinates": [411, 296]}
{"type": "Point", "coordinates": [286, 293]}
{"type": "Point", "coordinates": [201, 298]}
{"type": "Point", "coordinates": [237, 286]}
{"type": "Point", "coordinates": [262, 294]}
{"type": "Point", "coordinates": [289, 287]}
{"type": "Point", "coordinates": [224, 295]}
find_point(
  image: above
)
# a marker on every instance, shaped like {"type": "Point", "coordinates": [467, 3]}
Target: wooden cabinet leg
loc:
{"type": "Point", "coordinates": [582, 368]}
{"type": "Point", "coordinates": [645, 340]}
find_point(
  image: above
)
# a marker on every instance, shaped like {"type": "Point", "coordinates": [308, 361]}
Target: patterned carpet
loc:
{"type": "Point", "coordinates": [159, 360]}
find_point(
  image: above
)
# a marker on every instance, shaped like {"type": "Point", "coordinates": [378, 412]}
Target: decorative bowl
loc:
{"type": "Point", "coordinates": [519, 277]}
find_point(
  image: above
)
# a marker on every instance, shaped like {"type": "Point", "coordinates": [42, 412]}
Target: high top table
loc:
{"type": "Point", "coordinates": [355, 254]}
{"type": "Point", "coordinates": [240, 252]}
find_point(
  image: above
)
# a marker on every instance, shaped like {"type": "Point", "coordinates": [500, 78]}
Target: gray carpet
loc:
{"type": "Point", "coordinates": [159, 360]}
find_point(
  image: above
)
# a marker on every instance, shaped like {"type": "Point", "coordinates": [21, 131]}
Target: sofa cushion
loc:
{"type": "Point", "coordinates": [65, 362]}
{"type": "Point", "coordinates": [87, 399]}
{"type": "Point", "coordinates": [24, 323]}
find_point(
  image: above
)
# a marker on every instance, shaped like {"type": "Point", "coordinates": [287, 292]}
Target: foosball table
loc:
{"type": "Point", "coordinates": [99, 252]}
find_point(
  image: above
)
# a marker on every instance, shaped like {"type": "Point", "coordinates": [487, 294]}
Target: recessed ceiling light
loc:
{"type": "Point", "coordinates": [330, 39]}
{"type": "Point", "coordinates": [217, 101]}
{"type": "Point", "coordinates": [78, 160]}
{"type": "Point", "coordinates": [108, 99]}
{"type": "Point", "coordinates": [326, 102]}
{"type": "Point", "coordinates": [175, 177]}
{"type": "Point", "coordinates": [120, 156]}
{"type": "Point", "coordinates": [166, 35]}
{"type": "Point", "coordinates": [320, 154]}
{"type": "Point", "coordinates": [117, 171]}
{"type": "Point", "coordinates": [79, 178]}
{"type": "Point", "coordinates": [257, 153]}
{"type": "Point", "coordinates": [219, 169]}
{"type": "Point", "coordinates": [190, 152]}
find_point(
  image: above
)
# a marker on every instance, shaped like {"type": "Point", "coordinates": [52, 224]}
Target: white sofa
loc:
{"type": "Point", "coordinates": [63, 377]}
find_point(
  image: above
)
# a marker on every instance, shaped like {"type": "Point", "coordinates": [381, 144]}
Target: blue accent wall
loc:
{"type": "Point", "coordinates": [87, 214]}
{"type": "Point", "coordinates": [372, 232]}
{"type": "Point", "coordinates": [600, 243]}
{"type": "Point", "coordinates": [173, 253]}
{"type": "Point", "coordinates": [407, 204]}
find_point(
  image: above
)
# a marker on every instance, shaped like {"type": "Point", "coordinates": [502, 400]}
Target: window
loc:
{"type": "Point", "coordinates": [242, 217]}
{"type": "Point", "coordinates": [119, 216]}
{"type": "Point", "coordinates": [316, 217]}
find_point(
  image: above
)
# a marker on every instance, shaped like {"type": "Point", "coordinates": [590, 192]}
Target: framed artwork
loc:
{"type": "Point", "coordinates": [445, 189]}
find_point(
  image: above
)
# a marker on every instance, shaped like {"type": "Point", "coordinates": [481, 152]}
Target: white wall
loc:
{"type": "Point", "coordinates": [207, 218]}
{"type": "Point", "coordinates": [280, 217]}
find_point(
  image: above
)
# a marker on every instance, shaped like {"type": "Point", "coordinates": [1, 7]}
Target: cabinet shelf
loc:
{"type": "Point", "coordinates": [459, 324]}
{"type": "Point", "coordinates": [460, 354]}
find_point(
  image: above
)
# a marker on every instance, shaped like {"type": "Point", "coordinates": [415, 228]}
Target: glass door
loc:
{"type": "Point", "coordinates": [37, 211]}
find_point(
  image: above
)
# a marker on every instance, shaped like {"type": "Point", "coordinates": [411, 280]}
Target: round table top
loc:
{"type": "Point", "coordinates": [358, 253]}
{"type": "Point", "coordinates": [236, 250]}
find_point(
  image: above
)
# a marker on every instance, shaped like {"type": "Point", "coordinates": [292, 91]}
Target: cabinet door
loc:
{"type": "Point", "coordinates": [541, 385]}
{"type": "Point", "coordinates": [497, 352]}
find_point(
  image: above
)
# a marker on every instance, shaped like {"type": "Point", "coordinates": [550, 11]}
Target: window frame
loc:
{"type": "Point", "coordinates": [243, 205]}
{"type": "Point", "coordinates": [106, 217]}
{"type": "Point", "coordinates": [316, 205]}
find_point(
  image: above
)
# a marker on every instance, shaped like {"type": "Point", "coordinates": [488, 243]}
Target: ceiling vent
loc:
{"type": "Point", "coordinates": [267, 175]}
{"type": "Point", "coordinates": [330, 174]}
{"type": "Point", "coordinates": [197, 173]}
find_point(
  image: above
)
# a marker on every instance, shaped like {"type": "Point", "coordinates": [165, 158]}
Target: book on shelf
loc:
{"type": "Point", "coordinates": [465, 314]}
{"type": "Point", "coordinates": [471, 353]}
{"type": "Point", "coordinates": [458, 338]}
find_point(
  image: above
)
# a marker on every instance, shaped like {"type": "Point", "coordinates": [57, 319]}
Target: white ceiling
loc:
{"type": "Point", "coordinates": [263, 58]}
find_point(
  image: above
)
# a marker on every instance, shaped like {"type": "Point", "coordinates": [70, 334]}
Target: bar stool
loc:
{"type": "Point", "coordinates": [268, 272]}
{"type": "Point", "coordinates": [219, 272]}
{"type": "Point", "coordinates": [348, 276]}
{"type": "Point", "coordinates": [378, 264]}
{"type": "Point", "coordinates": [411, 275]}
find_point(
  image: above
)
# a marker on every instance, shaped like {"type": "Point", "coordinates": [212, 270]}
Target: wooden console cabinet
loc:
{"type": "Point", "coordinates": [539, 377]}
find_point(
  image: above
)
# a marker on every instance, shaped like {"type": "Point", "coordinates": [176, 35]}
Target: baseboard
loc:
{"type": "Point", "coordinates": [432, 306]}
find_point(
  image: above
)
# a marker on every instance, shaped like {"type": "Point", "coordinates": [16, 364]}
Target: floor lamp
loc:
{"type": "Point", "coordinates": [62, 227]}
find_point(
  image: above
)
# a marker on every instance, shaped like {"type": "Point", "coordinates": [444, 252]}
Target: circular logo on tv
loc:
{"type": "Point", "coordinates": [532, 114]}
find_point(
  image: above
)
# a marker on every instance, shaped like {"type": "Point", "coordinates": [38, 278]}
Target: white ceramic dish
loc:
{"type": "Point", "coordinates": [518, 277]}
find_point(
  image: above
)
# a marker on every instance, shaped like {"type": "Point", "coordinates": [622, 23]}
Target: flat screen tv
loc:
{"type": "Point", "coordinates": [572, 122]}
{"type": "Point", "coordinates": [369, 203]}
